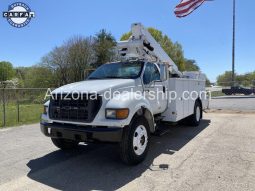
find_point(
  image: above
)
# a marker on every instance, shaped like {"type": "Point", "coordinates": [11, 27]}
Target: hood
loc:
{"type": "Point", "coordinates": [98, 86]}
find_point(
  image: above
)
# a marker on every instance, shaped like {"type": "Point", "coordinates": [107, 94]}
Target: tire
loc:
{"type": "Point", "coordinates": [195, 118]}
{"type": "Point", "coordinates": [64, 144]}
{"type": "Point", "coordinates": [135, 141]}
{"type": "Point", "coordinates": [247, 93]}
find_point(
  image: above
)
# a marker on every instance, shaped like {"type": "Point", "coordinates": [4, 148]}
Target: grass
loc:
{"type": "Point", "coordinates": [217, 93]}
{"type": "Point", "coordinates": [28, 114]}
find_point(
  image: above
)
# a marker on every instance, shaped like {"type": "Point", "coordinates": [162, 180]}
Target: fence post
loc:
{"type": "Point", "coordinates": [4, 111]}
{"type": "Point", "coordinates": [17, 94]}
{"type": "Point", "coordinates": [18, 117]}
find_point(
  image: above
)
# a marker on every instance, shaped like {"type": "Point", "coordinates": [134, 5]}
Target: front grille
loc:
{"type": "Point", "coordinates": [74, 107]}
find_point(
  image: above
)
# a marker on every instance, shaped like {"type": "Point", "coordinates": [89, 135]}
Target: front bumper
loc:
{"type": "Point", "coordinates": [82, 133]}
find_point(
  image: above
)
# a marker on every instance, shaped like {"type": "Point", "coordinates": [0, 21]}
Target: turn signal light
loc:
{"type": "Point", "coordinates": [116, 113]}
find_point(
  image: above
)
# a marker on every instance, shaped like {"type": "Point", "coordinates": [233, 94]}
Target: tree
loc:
{"type": "Point", "coordinates": [39, 77]}
{"type": "Point", "coordinates": [80, 57]}
{"type": "Point", "coordinates": [126, 36]}
{"type": "Point", "coordinates": [6, 71]}
{"type": "Point", "coordinates": [246, 79]}
{"type": "Point", "coordinates": [207, 82]}
{"type": "Point", "coordinates": [69, 61]}
{"type": "Point", "coordinates": [191, 65]}
{"type": "Point", "coordinates": [174, 50]}
{"type": "Point", "coordinates": [241, 79]}
{"type": "Point", "coordinates": [104, 44]}
{"type": "Point", "coordinates": [225, 79]}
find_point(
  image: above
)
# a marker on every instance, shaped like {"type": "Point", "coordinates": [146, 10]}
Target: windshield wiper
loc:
{"type": "Point", "coordinates": [110, 77]}
{"type": "Point", "coordinates": [117, 77]}
{"type": "Point", "coordinates": [113, 77]}
{"type": "Point", "coordinates": [94, 78]}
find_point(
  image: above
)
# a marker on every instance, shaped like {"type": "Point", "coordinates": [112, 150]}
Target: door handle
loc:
{"type": "Point", "coordinates": [164, 89]}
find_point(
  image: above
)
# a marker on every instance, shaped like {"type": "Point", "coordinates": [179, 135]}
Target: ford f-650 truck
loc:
{"type": "Point", "coordinates": [123, 102]}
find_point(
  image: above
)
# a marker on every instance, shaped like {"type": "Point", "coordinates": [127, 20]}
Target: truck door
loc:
{"type": "Point", "coordinates": [154, 89]}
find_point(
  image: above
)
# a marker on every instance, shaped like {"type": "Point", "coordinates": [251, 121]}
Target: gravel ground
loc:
{"type": "Point", "coordinates": [218, 155]}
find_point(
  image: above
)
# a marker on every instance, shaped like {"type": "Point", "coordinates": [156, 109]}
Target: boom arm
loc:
{"type": "Point", "coordinates": [141, 45]}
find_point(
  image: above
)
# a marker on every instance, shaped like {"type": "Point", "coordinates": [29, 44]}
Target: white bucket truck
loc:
{"type": "Point", "coordinates": [124, 101]}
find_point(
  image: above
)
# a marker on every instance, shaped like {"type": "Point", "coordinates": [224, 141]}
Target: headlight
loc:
{"type": "Point", "coordinates": [45, 110]}
{"type": "Point", "coordinates": [116, 113]}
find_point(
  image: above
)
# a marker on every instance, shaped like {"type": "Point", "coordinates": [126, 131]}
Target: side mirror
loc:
{"type": "Point", "coordinates": [163, 72]}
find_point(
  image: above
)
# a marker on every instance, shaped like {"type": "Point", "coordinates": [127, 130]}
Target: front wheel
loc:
{"type": "Point", "coordinates": [135, 141]}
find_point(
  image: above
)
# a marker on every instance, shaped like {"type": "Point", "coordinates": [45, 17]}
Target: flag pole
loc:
{"type": "Point", "coordinates": [233, 45]}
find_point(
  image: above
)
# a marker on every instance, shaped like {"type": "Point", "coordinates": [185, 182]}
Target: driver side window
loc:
{"type": "Point", "coordinates": [151, 74]}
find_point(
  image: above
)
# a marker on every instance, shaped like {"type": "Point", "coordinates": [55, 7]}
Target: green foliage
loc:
{"type": "Point", "coordinates": [35, 77]}
{"type": "Point", "coordinates": [21, 73]}
{"type": "Point", "coordinates": [39, 77]}
{"type": "Point", "coordinates": [6, 71]}
{"type": "Point", "coordinates": [225, 79]}
{"type": "Point", "coordinates": [79, 57]}
{"type": "Point", "coordinates": [104, 44]}
{"type": "Point", "coordinates": [207, 82]}
{"type": "Point", "coordinates": [247, 79]}
{"type": "Point", "coordinates": [125, 36]}
{"type": "Point", "coordinates": [174, 50]}
{"type": "Point", "coordinates": [68, 62]}
{"type": "Point", "coordinates": [191, 65]}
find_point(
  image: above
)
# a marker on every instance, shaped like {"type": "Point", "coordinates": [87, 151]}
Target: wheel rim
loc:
{"type": "Point", "coordinates": [140, 140]}
{"type": "Point", "coordinates": [198, 113]}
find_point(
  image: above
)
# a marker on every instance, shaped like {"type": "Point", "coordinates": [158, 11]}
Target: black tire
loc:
{"type": "Point", "coordinates": [64, 144]}
{"type": "Point", "coordinates": [128, 152]}
{"type": "Point", "coordinates": [193, 119]}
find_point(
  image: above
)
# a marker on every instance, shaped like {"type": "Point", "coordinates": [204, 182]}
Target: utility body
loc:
{"type": "Point", "coordinates": [150, 90]}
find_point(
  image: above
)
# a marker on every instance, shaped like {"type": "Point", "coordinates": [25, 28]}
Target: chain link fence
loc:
{"type": "Point", "coordinates": [21, 106]}
{"type": "Point", "coordinates": [25, 105]}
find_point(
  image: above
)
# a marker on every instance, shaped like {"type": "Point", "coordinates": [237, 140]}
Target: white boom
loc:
{"type": "Point", "coordinates": [141, 45]}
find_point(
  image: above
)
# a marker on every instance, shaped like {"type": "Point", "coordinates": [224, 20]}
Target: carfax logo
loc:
{"type": "Point", "coordinates": [18, 14]}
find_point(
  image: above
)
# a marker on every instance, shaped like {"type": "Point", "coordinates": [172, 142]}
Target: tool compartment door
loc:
{"type": "Point", "coordinates": [174, 112]}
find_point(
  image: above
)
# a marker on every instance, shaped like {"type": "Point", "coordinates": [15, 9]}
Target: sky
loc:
{"type": "Point", "coordinates": [206, 34]}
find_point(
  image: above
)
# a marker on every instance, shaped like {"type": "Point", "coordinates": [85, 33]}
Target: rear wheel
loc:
{"type": "Point", "coordinates": [247, 93]}
{"type": "Point", "coordinates": [64, 144]}
{"type": "Point", "coordinates": [195, 118]}
{"type": "Point", "coordinates": [135, 141]}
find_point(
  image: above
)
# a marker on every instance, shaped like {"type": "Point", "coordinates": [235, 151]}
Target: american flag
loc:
{"type": "Point", "coordinates": [186, 7]}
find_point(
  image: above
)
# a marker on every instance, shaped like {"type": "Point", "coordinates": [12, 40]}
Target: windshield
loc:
{"type": "Point", "coordinates": [124, 70]}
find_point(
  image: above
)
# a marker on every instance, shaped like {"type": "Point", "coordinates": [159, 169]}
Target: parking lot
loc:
{"type": "Point", "coordinates": [218, 155]}
{"type": "Point", "coordinates": [233, 103]}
